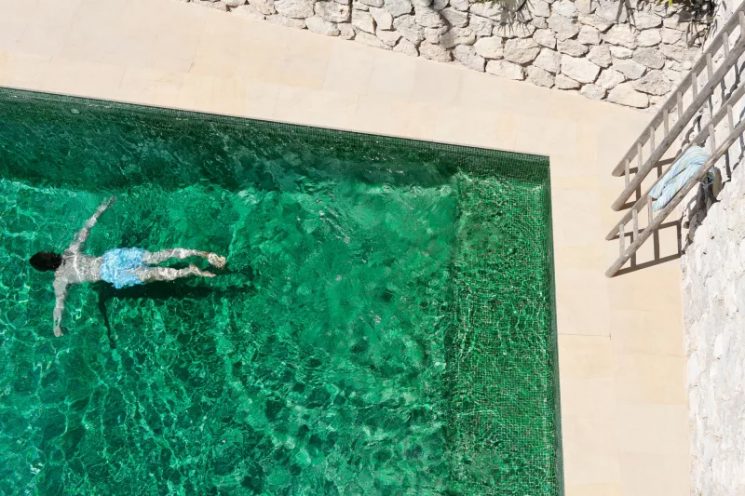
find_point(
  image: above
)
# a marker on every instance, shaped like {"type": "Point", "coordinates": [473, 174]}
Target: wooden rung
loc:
{"type": "Point", "coordinates": [651, 139]}
{"type": "Point", "coordinates": [621, 240]}
{"type": "Point", "coordinates": [725, 44]}
{"type": "Point", "coordinates": [635, 218]}
{"type": "Point", "coordinates": [694, 84]}
{"type": "Point", "coordinates": [627, 172]}
{"type": "Point", "coordinates": [640, 160]}
{"type": "Point", "coordinates": [666, 123]}
{"type": "Point", "coordinates": [712, 137]}
{"type": "Point", "coordinates": [650, 212]}
{"type": "Point", "coordinates": [680, 105]}
{"type": "Point", "coordinates": [730, 119]}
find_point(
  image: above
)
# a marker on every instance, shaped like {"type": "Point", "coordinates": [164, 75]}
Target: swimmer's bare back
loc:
{"type": "Point", "coordinates": [121, 267]}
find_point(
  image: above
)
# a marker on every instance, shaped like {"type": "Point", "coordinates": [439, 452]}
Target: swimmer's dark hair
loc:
{"type": "Point", "coordinates": [45, 260]}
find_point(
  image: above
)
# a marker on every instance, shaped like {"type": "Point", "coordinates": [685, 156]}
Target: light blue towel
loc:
{"type": "Point", "coordinates": [687, 166]}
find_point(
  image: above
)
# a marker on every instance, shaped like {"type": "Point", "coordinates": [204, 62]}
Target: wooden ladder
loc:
{"type": "Point", "coordinates": [691, 98]}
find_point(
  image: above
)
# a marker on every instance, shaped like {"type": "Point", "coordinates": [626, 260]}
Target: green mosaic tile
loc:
{"type": "Point", "coordinates": [385, 324]}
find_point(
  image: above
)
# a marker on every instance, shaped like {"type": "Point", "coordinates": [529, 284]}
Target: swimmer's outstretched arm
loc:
{"type": "Point", "coordinates": [60, 292]}
{"type": "Point", "coordinates": [83, 233]}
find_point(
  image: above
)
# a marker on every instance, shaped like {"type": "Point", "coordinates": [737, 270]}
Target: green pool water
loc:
{"type": "Point", "coordinates": [385, 325]}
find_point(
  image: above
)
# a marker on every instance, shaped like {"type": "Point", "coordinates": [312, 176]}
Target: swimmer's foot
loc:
{"type": "Point", "coordinates": [216, 260]}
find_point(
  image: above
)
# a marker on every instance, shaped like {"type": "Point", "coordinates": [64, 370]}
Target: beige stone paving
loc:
{"type": "Point", "coordinates": [624, 408]}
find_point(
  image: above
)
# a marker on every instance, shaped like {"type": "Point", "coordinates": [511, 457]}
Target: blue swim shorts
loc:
{"type": "Point", "coordinates": [119, 266]}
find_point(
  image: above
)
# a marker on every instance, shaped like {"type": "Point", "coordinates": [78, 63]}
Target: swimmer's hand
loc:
{"type": "Point", "coordinates": [77, 245]}
{"type": "Point", "coordinates": [104, 205]}
{"type": "Point", "coordinates": [57, 331]}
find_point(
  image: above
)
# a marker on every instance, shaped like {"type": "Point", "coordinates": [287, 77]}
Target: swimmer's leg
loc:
{"type": "Point", "coordinates": [152, 274]}
{"type": "Point", "coordinates": [181, 253]}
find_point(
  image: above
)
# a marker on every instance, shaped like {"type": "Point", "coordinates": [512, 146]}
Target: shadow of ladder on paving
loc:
{"type": "Point", "coordinates": [690, 101]}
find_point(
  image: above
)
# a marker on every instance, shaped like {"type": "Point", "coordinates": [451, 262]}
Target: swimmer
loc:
{"type": "Point", "coordinates": [121, 267]}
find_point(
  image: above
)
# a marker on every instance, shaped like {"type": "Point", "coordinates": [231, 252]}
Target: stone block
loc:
{"type": "Point", "coordinates": [454, 17]}
{"type": "Point", "coordinates": [428, 18]}
{"type": "Point", "coordinates": [539, 77]}
{"type": "Point", "coordinates": [563, 27]}
{"type": "Point", "coordinates": [490, 48]}
{"type": "Point", "coordinates": [649, 37]}
{"type": "Point", "coordinates": [505, 69]}
{"type": "Point", "coordinates": [626, 94]}
{"type": "Point", "coordinates": [318, 25]}
{"type": "Point", "coordinates": [654, 83]}
{"type": "Point", "coordinates": [434, 52]}
{"type": "Point", "coordinates": [589, 35]}
{"type": "Point", "coordinates": [409, 29]}
{"type": "Point", "coordinates": [332, 11]}
{"type": "Point", "coordinates": [389, 38]}
{"type": "Point", "coordinates": [457, 36]}
{"type": "Point", "coordinates": [621, 35]}
{"type": "Point", "coordinates": [609, 79]}
{"type": "Point", "coordinates": [572, 47]}
{"type": "Point", "coordinates": [579, 69]}
{"type": "Point", "coordinates": [363, 21]}
{"type": "Point", "coordinates": [548, 60]}
{"type": "Point", "coordinates": [407, 47]}
{"type": "Point", "coordinates": [646, 20]}
{"type": "Point", "coordinates": [383, 18]}
{"type": "Point", "coordinates": [398, 7]}
{"type": "Point", "coordinates": [629, 68]}
{"type": "Point", "coordinates": [565, 8]}
{"type": "Point", "coordinates": [600, 55]}
{"type": "Point", "coordinates": [545, 37]}
{"type": "Point", "coordinates": [565, 83]}
{"type": "Point", "coordinates": [539, 8]}
{"type": "Point", "coordinates": [295, 9]}
{"type": "Point", "coordinates": [481, 26]}
{"type": "Point", "coordinates": [620, 52]}
{"type": "Point", "coordinates": [265, 7]}
{"type": "Point", "coordinates": [592, 91]}
{"type": "Point", "coordinates": [649, 57]}
{"type": "Point", "coordinates": [521, 50]}
{"type": "Point", "coordinates": [467, 56]}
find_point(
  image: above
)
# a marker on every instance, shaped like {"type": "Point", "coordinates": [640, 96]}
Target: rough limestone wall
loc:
{"type": "Point", "coordinates": [714, 298]}
{"type": "Point", "coordinates": [588, 46]}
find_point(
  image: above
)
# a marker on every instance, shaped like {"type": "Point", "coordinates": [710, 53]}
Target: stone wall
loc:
{"type": "Point", "coordinates": [600, 49]}
{"type": "Point", "coordinates": [714, 301]}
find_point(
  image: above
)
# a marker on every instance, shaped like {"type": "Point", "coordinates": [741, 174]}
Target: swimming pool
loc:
{"type": "Point", "coordinates": [385, 324]}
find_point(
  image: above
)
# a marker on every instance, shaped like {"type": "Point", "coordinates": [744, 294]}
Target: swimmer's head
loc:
{"type": "Point", "coordinates": [45, 260]}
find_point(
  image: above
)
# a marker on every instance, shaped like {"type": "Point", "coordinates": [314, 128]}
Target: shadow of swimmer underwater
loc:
{"type": "Point", "coordinates": [121, 267]}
